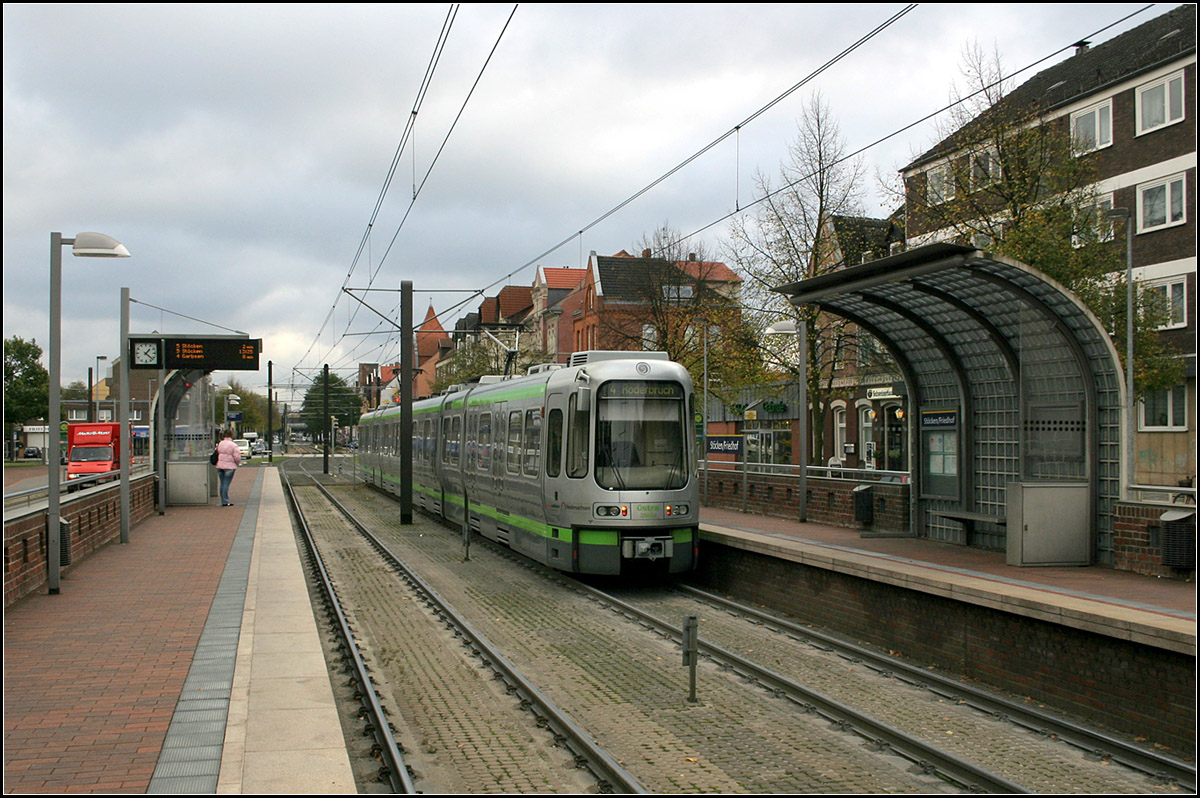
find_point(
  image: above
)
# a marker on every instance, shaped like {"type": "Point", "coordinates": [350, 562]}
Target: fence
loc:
{"type": "Point", "coordinates": [832, 494]}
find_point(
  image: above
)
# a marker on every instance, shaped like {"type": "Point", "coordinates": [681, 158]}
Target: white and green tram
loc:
{"type": "Point", "coordinates": [586, 467]}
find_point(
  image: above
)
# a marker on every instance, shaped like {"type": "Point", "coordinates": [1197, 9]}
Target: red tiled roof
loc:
{"type": "Point", "coordinates": [563, 278]}
{"type": "Point", "coordinates": [514, 301]}
{"type": "Point", "coordinates": [430, 335]}
{"type": "Point", "coordinates": [709, 271]}
{"type": "Point", "coordinates": [489, 310]}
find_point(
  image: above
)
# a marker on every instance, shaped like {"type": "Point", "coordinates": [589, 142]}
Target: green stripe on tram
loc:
{"type": "Point", "coordinates": [589, 537]}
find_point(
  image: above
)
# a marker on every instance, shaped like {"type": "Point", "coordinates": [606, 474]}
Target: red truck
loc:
{"type": "Point", "coordinates": [96, 449]}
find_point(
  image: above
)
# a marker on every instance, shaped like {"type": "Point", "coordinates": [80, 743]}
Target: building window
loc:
{"type": "Point", "coordinates": [1165, 410]}
{"type": "Point", "coordinates": [1091, 128]}
{"type": "Point", "coordinates": [839, 434]}
{"type": "Point", "coordinates": [1161, 204]}
{"type": "Point", "coordinates": [985, 168]}
{"type": "Point", "coordinates": [75, 414]}
{"type": "Point", "coordinates": [1160, 103]}
{"type": "Point", "coordinates": [940, 184]}
{"type": "Point", "coordinates": [1093, 223]}
{"type": "Point", "coordinates": [649, 337]}
{"type": "Point", "coordinates": [1173, 298]}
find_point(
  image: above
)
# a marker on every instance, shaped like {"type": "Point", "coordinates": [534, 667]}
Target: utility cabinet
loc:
{"type": "Point", "coordinates": [188, 482]}
{"type": "Point", "coordinates": [1049, 523]}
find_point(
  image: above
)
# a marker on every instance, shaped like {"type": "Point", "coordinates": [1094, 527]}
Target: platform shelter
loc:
{"type": "Point", "coordinates": [1015, 396]}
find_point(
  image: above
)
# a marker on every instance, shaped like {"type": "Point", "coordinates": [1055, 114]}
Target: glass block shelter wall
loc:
{"type": "Point", "coordinates": [1010, 378]}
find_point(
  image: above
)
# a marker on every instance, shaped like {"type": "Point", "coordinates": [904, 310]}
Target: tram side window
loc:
{"type": "Point", "coordinates": [554, 441]}
{"type": "Point", "coordinates": [485, 441]}
{"type": "Point", "coordinates": [514, 442]}
{"type": "Point", "coordinates": [579, 422]}
{"type": "Point", "coordinates": [430, 445]}
{"type": "Point", "coordinates": [446, 439]}
{"type": "Point", "coordinates": [533, 440]}
{"type": "Point", "coordinates": [416, 440]}
{"type": "Point", "coordinates": [455, 439]}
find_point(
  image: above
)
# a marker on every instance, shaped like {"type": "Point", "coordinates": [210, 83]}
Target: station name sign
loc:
{"type": "Point", "coordinates": [206, 354]}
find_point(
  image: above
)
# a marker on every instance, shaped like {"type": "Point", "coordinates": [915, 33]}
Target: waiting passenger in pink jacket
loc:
{"type": "Point", "coordinates": [229, 457]}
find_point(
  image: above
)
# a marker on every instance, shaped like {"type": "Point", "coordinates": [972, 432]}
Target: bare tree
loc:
{"type": "Point", "coordinates": [790, 237]}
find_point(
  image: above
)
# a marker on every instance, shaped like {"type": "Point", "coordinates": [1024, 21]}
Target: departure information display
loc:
{"type": "Point", "coordinates": [206, 354]}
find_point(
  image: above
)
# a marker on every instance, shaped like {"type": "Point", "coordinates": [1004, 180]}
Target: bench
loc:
{"type": "Point", "coordinates": [968, 519]}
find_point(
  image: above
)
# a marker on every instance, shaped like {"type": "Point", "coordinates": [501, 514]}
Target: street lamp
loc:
{"type": "Point", "coordinates": [1130, 417]}
{"type": "Point", "coordinates": [800, 330]}
{"type": "Point", "coordinates": [83, 245]}
{"type": "Point", "coordinates": [98, 359]}
{"type": "Point", "coordinates": [237, 400]}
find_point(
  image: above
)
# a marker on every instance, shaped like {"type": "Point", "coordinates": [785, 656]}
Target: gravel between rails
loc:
{"type": "Point", "coordinates": [1032, 760]}
{"type": "Point", "coordinates": [461, 731]}
{"type": "Point", "coordinates": [627, 687]}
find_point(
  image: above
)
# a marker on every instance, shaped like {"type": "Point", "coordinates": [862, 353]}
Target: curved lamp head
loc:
{"type": "Point", "coordinates": [785, 327]}
{"type": "Point", "coordinates": [98, 245]}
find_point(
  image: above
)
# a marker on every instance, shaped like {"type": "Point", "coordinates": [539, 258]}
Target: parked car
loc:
{"type": "Point", "coordinates": [33, 453]}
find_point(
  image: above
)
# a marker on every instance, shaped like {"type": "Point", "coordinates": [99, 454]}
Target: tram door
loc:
{"type": "Point", "coordinates": [555, 487]}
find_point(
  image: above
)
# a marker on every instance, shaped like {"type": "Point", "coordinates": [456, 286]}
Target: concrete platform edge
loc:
{"type": "Point", "coordinates": [1114, 620]}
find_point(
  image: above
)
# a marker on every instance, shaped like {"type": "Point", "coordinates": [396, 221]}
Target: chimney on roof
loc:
{"type": "Point", "coordinates": [645, 253]}
{"type": "Point", "coordinates": [691, 257]}
{"type": "Point", "coordinates": [1081, 46]}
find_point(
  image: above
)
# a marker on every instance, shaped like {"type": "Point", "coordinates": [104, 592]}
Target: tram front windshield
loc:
{"type": "Point", "coordinates": [640, 443]}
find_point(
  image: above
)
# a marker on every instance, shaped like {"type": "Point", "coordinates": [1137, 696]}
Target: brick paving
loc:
{"type": "Point", "coordinates": [92, 675]}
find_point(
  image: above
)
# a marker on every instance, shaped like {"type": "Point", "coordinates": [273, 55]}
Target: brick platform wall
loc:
{"type": "Point", "coordinates": [831, 501]}
{"type": "Point", "coordinates": [1137, 544]}
{"type": "Point", "coordinates": [95, 518]}
{"type": "Point", "coordinates": [1131, 688]}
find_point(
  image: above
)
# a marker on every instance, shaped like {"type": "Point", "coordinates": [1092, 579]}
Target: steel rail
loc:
{"type": "Point", "coordinates": [611, 776]}
{"type": "Point", "coordinates": [394, 767]}
{"type": "Point", "coordinates": [886, 737]}
{"type": "Point", "coordinates": [1090, 740]}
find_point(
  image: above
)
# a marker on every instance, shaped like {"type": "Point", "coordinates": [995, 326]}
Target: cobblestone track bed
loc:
{"type": "Point", "coordinates": [627, 687]}
{"type": "Point", "coordinates": [461, 731]}
{"type": "Point", "coordinates": [1030, 759]}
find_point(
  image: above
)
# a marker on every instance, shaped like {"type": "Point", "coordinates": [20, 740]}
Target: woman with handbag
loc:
{"type": "Point", "coordinates": [229, 457]}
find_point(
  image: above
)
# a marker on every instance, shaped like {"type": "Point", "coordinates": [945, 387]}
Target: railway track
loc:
{"type": "Point", "coordinates": [1030, 746]}
{"type": "Point", "coordinates": [465, 735]}
{"type": "Point", "coordinates": [1093, 742]}
{"type": "Point", "coordinates": [626, 688]}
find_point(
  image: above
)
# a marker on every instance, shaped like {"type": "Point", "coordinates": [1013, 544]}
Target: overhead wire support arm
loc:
{"type": "Point", "coordinates": [348, 291]}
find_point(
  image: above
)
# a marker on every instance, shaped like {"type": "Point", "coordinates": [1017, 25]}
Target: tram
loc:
{"type": "Point", "coordinates": [587, 467]}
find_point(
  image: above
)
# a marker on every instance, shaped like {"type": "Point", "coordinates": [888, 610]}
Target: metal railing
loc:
{"type": "Point", "coordinates": [813, 471]}
{"type": "Point", "coordinates": [24, 498]}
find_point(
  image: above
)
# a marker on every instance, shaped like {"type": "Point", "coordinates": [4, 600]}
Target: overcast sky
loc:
{"type": "Point", "coordinates": [238, 151]}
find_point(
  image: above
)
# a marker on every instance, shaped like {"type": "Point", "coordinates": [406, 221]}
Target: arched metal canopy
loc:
{"type": "Point", "coordinates": [1006, 360]}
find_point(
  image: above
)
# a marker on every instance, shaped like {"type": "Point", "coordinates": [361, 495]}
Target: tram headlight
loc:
{"type": "Point", "coordinates": [676, 509]}
{"type": "Point", "coordinates": [611, 510]}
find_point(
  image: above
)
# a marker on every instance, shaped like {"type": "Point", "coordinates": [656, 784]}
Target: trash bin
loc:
{"type": "Point", "coordinates": [864, 504]}
{"type": "Point", "coordinates": [1178, 538]}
